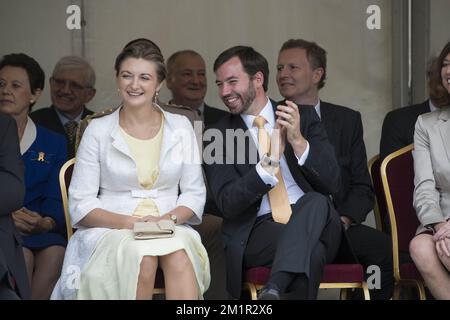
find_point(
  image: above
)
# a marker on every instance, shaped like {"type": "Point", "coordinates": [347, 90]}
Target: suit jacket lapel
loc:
{"type": "Point", "coordinates": [444, 129]}
{"type": "Point", "coordinates": [170, 137]}
{"type": "Point", "coordinates": [327, 117]}
{"type": "Point", "coordinates": [54, 123]}
{"type": "Point", "coordinates": [118, 140]}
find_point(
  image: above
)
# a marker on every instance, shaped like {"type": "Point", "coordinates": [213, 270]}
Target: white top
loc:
{"type": "Point", "coordinates": [105, 177]}
{"type": "Point", "coordinates": [293, 190]}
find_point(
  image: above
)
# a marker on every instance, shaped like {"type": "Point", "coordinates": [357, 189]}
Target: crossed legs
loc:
{"type": "Point", "coordinates": [433, 268]}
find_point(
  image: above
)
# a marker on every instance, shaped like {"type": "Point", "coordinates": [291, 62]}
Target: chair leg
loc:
{"type": "Point", "coordinates": [396, 295]}
{"type": "Point", "coordinates": [252, 288]}
{"type": "Point", "coordinates": [344, 294]}
{"type": "Point", "coordinates": [421, 290]}
{"type": "Point", "coordinates": [366, 291]}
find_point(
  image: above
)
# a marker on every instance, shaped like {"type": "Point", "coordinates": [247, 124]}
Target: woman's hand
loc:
{"type": "Point", "coordinates": [443, 247]}
{"type": "Point", "coordinates": [150, 218]}
{"type": "Point", "coordinates": [442, 231]}
{"type": "Point", "coordinates": [30, 222]}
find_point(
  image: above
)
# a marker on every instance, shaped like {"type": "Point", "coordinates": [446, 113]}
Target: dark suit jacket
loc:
{"type": "Point", "coordinates": [48, 118]}
{"type": "Point", "coordinates": [238, 189]}
{"type": "Point", "coordinates": [12, 192]}
{"type": "Point", "coordinates": [212, 115]}
{"type": "Point", "coordinates": [398, 127]}
{"type": "Point", "coordinates": [355, 198]}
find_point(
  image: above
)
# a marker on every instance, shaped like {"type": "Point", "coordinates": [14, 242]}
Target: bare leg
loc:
{"type": "Point", "coordinates": [146, 280]}
{"type": "Point", "coordinates": [29, 262]}
{"type": "Point", "coordinates": [48, 264]}
{"type": "Point", "coordinates": [423, 252]}
{"type": "Point", "coordinates": [179, 276]}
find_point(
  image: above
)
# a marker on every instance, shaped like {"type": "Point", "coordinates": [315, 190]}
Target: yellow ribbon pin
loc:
{"type": "Point", "coordinates": [41, 156]}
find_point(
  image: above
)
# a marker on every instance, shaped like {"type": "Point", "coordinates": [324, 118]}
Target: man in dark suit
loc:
{"type": "Point", "coordinates": [13, 276]}
{"type": "Point", "coordinates": [398, 127]}
{"type": "Point", "coordinates": [186, 79]}
{"type": "Point", "coordinates": [301, 74]}
{"type": "Point", "coordinates": [399, 124]}
{"type": "Point", "coordinates": [71, 87]}
{"type": "Point", "coordinates": [275, 204]}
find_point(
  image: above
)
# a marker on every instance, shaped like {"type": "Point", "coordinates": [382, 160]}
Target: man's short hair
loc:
{"type": "Point", "coordinates": [252, 61]}
{"type": "Point", "coordinates": [317, 56]}
{"type": "Point", "coordinates": [171, 61]}
{"type": "Point", "coordinates": [75, 62]}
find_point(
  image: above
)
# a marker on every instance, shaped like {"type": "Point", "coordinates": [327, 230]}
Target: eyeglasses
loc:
{"type": "Point", "coordinates": [61, 83]}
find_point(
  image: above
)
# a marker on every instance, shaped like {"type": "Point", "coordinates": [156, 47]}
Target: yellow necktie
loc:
{"type": "Point", "coordinates": [278, 196]}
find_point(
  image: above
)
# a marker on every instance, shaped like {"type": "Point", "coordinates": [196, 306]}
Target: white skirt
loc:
{"type": "Point", "coordinates": [113, 269]}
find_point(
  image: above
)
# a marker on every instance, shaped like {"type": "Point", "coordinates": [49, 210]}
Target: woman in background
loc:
{"type": "Point", "coordinates": [430, 248]}
{"type": "Point", "coordinates": [41, 219]}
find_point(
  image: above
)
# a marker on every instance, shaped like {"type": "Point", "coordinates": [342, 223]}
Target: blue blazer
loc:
{"type": "Point", "coordinates": [43, 160]}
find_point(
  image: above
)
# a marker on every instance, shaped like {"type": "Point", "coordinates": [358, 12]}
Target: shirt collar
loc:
{"type": "Point", "coordinates": [432, 106]}
{"type": "Point", "coordinates": [64, 119]}
{"type": "Point", "coordinates": [317, 107]}
{"type": "Point", "coordinates": [266, 112]}
{"type": "Point", "coordinates": [29, 135]}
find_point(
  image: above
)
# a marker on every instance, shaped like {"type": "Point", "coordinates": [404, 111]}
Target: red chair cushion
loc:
{"type": "Point", "coordinates": [346, 273]}
{"type": "Point", "coordinates": [257, 275]}
{"type": "Point", "coordinates": [409, 271]}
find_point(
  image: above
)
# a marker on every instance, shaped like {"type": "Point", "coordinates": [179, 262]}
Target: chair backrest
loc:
{"type": "Point", "coordinates": [65, 175]}
{"type": "Point", "coordinates": [397, 173]}
{"type": "Point", "coordinates": [380, 208]}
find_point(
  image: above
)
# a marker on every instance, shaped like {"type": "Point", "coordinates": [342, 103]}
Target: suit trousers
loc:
{"type": "Point", "coordinates": [301, 247]}
{"type": "Point", "coordinates": [210, 232]}
{"type": "Point", "coordinates": [373, 247]}
{"type": "Point", "coordinates": [6, 292]}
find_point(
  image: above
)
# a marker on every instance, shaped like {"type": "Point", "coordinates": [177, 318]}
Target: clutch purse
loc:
{"type": "Point", "coordinates": [154, 230]}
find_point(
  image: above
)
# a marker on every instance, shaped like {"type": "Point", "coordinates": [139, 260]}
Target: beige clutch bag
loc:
{"type": "Point", "coordinates": [154, 230]}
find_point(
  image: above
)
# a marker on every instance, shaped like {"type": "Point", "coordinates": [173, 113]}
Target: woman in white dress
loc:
{"type": "Point", "coordinates": [136, 164]}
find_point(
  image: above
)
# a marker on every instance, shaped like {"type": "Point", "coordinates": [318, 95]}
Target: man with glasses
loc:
{"type": "Point", "coordinates": [71, 87]}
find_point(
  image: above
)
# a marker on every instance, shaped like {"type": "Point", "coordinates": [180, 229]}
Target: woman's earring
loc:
{"type": "Point", "coordinates": [155, 98]}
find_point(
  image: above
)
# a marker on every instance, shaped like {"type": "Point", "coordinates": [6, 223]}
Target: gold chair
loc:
{"type": "Point", "coordinates": [379, 209]}
{"type": "Point", "coordinates": [397, 174]}
{"type": "Point", "coordinates": [65, 175]}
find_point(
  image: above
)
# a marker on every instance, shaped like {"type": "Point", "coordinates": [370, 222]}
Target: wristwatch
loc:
{"type": "Point", "coordinates": [174, 218]}
{"type": "Point", "coordinates": [270, 164]}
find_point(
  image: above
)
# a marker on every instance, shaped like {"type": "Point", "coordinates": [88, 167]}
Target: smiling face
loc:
{"type": "Point", "coordinates": [187, 80]}
{"type": "Point", "coordinates": [445, 73]}
{"type": "Point", "coordinates": [69, 91]}
{"type": "Point", "coordinates": [138, 82]}
{"type": "Point", "coordinates": [296, 79]}
{"type": "Point", "coordinates": [15, 91]}
{"type": "Point", "coordinates": [236, 88]}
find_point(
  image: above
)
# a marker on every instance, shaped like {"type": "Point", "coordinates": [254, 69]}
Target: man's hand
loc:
{"type": "Point", "coordinates": [277, 142]}
{"type": "Point", "coordinates": [346, 222]}
{"type": "Point", "coordinates": [288, 117]}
